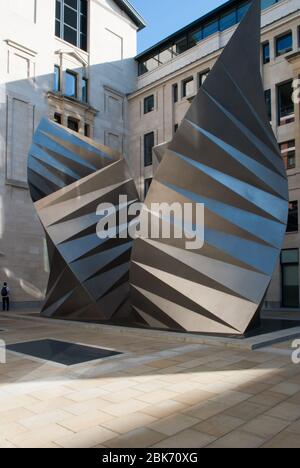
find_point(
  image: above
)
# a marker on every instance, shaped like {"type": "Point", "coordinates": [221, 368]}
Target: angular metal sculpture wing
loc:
{"type": "Point", "coordinates": [225, 156]}
{"type": "Point", "coordinates": [69, 176]}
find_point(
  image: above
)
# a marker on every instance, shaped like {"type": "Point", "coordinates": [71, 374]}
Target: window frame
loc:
{"type": "Point", "coordinates": [288, 118]}
{"type": "Point", "coordinates": [266, 59]}
{"type": "Point", "coordinates": [76, 76]}
{"type": "Point", "coordinates": [286, 51]}
{"type": "Point", "coordinates": [81, 27]}
{"type": "Point", "coordinates": [184, 84]}
{"type": "Point", "coordinates": [148, 159]}
{"type": "Point", "coordinates": [148, 110]}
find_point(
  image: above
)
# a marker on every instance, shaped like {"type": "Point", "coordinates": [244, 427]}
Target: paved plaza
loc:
{"type": "Point", "coordinates": [158, 393]}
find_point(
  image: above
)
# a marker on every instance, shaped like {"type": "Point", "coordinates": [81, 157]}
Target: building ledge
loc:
{"type": "Point", "coordinates": [66, 99]}
{"type": "Point", "coordinates": [293, 57]}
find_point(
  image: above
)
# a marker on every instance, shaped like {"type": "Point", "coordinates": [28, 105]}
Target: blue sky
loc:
{"type": "Point", "coordinates": [164, 17]}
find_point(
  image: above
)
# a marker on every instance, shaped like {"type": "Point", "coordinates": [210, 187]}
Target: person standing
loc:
{"type": "Point", "coordinates": [5, 297]}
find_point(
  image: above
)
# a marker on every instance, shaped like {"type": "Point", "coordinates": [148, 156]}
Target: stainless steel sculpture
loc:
{"type": "Point", "coordinates": [224, 155]}
{"type": "Point", "coordinates": [69, 176]}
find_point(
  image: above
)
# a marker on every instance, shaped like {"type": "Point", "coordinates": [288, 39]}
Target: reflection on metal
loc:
{"type": "Point", "coordinates": [69, 176]}
{"type": "Point", "coordinates": [224, 155]}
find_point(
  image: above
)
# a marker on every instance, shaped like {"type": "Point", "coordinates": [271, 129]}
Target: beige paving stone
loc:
{"type": "Point", "coordinates": [44, 419]}
{"type": "Point", "coordinates": [285, 439]}
{"type": "Point", "coordinates": [164, 409]}
{"type": "Point", "coordinates": [193, 397]}
{"type": "Point", "coordinates": [12, 403]}
{"type": "Point", "coordinates": [49, 405]}
{"type": "Point", "coordinates": [87, 406]}
{"type": "Point", "coordinates": [286, 388]}
{"type": "Point", "coordinates": [268, 399]}
{"type": "Point", "coordinates": [295, 399]}
{"type": "Point", "coordinates": [246, 411]}
{"type": "Point", "coordinates": [14, 415]}
{"type": "Point", "coordinates": [265, 426]}
{"type": "Point", "coordinates": [85, 421]}
{"type": "Point", "coordinates": [174, 424]}
{"type": "Point", "coordinates": [11, 429]}
{"type": "Point", "coordinates": [85, 395]}
{"type": "Point", "coordinates": [39, 438]}
{"type": "Point", "coordinates": [186, 439]}
{"type": "Point", "coordinates": [164, 363]}
{"type": "Point", "coordinates": [238, 439]}
{"type": "Point", "coordinates": [122, 409]}
{"type": "Point", "coordinates": [86, 439]}
{"type": "Point", "coordinates": [219, 425]}
{"type": "Point", "coordinates": [157, 397]}
{"type": "Point", "coordinates": [206, 410]}
{"type": "Point", "coordinates": [129, 423]}
{"type": "Point", "coordinates": [139, 438]}
{"type": "Point", "coordinates": [286, 411]}
{"type": "Point", "coordinates": [295, 427]}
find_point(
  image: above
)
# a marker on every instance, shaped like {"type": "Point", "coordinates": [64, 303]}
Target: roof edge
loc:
{"type": "Point", "coordinates": [133, 14]}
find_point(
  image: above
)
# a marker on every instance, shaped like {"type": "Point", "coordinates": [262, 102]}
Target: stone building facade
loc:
{"type": "Point", "coordinates": [170, 74]}
{"type": "Point", "coordinates": [53, 63]}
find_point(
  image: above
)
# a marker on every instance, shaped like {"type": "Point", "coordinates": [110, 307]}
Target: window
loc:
{"type": "Point", "coordinates": [202, 77]}
{"type": "Point", "coordinates": [188, 87]}
{"type": "Point", "coordinates": [149, 104]}
{"type": "Point", "coordinates": [195, 37]}
{"type": "Point", "coordinates": [148, 147]}
{"type": "Point", "coordinates": [268, 101]}
{"type": "Point", "coordinates": [175, 93]}
{"type": "Point", "coordinates": [266, 53]}
{"type": "Point", "coordinates": [286, 112]}
{"type": "Point", "coordinates": [288, 151]}
{"type": "Point", "coordinates": [71, 84]}
{"type": "Point", "coordinates": [87, 130]}
{"type": "Point", "coordinates": [228, 20]}
{"type": "Point", "coordinates": [180, 46]}
{"type": "Point", "coordinates": [73, 124]}
{"type": "Point", "coordinates": [166, 55]}
{"type": "Point", "coordinates": [210, 28]}
{"type": "Point", "coordinates": [57, 118]}
{"type": "Point", "coordinates": [148, 183]}
{"type": "Point", "coordinates": [57, 84]}
{"type": "Point", "coordinates": [176, 126]}
{"type": "Point", "coordinates": [284, 44]}
{"type": "Point", "coordinates": [85, 90]}
{"type": "Point", "coordinates": [293, 217]}
{"type": "Point", "coordinates": [71, 21]}
{"type": "Point", "coordinates": [290, 278]}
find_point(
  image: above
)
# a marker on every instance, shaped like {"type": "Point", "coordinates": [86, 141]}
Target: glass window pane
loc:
{"type": "Point", "coordinates": [228, 20]}
{"type": "Point", "coordinates": [195, 37]}
{"type": "Point", "coordinates": [72, 3]}
{"type": "Point", "coordinates": [83, 41]}
{"type": "Point", "coordinates": [83, 7]}
{"type": "Point", "coordinates": [70, 17]}
{"type": "Point", "coordinates": [70, 35]}
{"type": "Point", "coordinates": [188, 87]}
{"type": "Point", "coordinates": [148, 104]}
{"type": "Point", "coordinates": [266, 52]}
{"type": "Point", "coordinates": [268, 100]}
{"type": "Point", "coordinates": [71, 85]}
{"type": "Point", "coordinates": [288, 152]}
{"type": "Point", "coordinates": [284, 44]}
{"type": "Point", "coordinates": [148, 183]}
{"type": "Point", "coordinates": [290, 256]}
{"type": "Point", "coordinates": [210, 29]}
{"type": "Point", "coordinates": [73, 124]}
{"type": "Point", "coordinates": [293, 217]}
{"type": "Point", "coordinates": [267, 3]}
{"type": "Point", "coordinates": [180, 46]}
{"type": "Point", "coordinates": [58, 10]}
{"type": "Point", "coordinates": [57, 28]}
{"type": "Point", "coordinates": [56, 87]}
{"type": "Point", "coordinates": [148, 147]}
{"type": "Point", "coordinates": [84, 90]}
{"type": "Point", "coordinates": [83, 24]}
{"type": "Point", "coordinates": [286, 113]}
